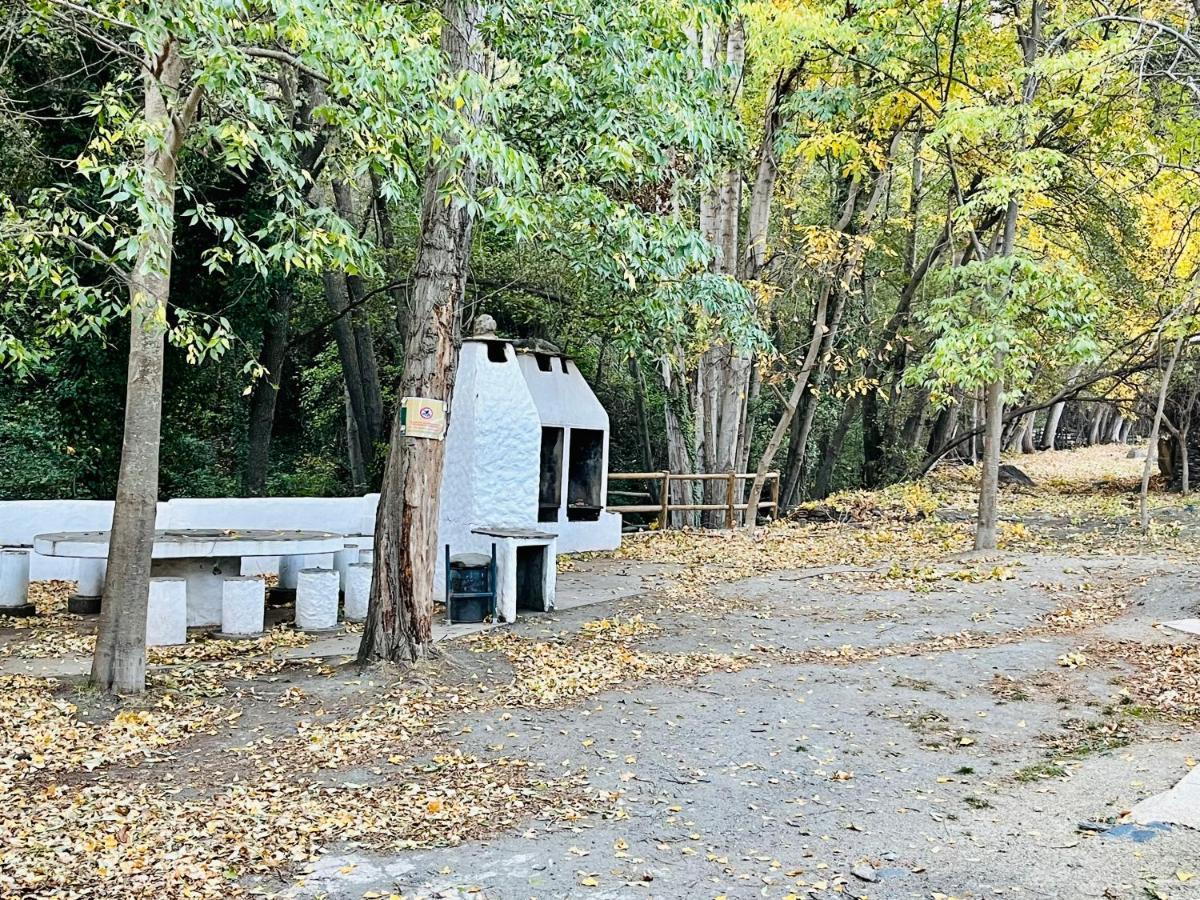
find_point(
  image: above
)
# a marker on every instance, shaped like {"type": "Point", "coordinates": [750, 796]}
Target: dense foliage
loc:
{"type": "Point", "coordinates": [782, 197]}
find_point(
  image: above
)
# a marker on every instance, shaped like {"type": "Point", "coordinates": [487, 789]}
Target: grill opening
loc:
{"type": "Point", "coordinates": [550, 476]}
{"type": "Point", "coordinates": [531, 578]}
{"type": "Point", "coordinates": [585, 473]}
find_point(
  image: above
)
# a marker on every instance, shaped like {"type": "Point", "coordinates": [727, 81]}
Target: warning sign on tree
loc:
{"type": "Point", "coordinates": [423, 418]}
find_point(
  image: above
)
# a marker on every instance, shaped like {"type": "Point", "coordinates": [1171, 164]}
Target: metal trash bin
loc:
{"type": "Point", "coordinates": [470, 586]}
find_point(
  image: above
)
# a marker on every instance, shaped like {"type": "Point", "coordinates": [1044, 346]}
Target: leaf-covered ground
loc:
{"type": "Point", "coordinates": [858, 707]}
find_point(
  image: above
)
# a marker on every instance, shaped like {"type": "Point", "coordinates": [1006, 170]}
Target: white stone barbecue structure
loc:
{"type": "Point", "coordinates": [526, 468]}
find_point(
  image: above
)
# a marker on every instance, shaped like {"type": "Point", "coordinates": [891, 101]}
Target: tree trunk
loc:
{"type": "Point", "coordinates": [643, 422]}
{"type": "Point", "coordinates": [1155, 425]}
{"type": "Point", "coordinates": [679, 454]}
{"type": "Point", "coordinates": [358, 437]}
{"type": "Point", "coordinates": [364, 342]}
{"type": "Point", "coordinates": [1185, 487]}
{"type": "Point", "coordinates": [1094, 426]}
{"type": "Point", "coordinates": [1027, 442]}
{"type": "Point", "coordinates": [119, 663]}
{"type": "Point", "coordinates": [833, 448]}
{"type": "Point", "coordinates": [989, 487]}
{"type": "Point", "coordinates": [400, 615]}
{"type": "Point", "coordinates": [1054, 416]}
{"type": "Point", "coordinates": [815, 342]}
{"type": "Point", "coordinates": [266, 389]}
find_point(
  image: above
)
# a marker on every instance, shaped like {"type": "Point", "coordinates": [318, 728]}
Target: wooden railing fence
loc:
{"type": "Point", "coordinates": [664, 507]}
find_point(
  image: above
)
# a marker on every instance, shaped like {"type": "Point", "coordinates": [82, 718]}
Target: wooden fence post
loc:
{"type": "Point", "coordinates": [664, 517]}
{"type": "Point", "coordinates": [730, 511]}
{"type": "Point", "coordinates": [775, 495]}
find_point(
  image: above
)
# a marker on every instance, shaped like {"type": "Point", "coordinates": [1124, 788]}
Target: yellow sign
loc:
{"type": "Point", "coordinates": [423, 418]}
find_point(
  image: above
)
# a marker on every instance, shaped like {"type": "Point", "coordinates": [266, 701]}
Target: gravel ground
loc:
{"type": "Point", "coordinates": [960, 773]}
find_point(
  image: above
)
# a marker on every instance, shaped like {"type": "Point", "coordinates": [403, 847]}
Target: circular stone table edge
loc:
{"type": "Point", "coordinates": [196, 543]}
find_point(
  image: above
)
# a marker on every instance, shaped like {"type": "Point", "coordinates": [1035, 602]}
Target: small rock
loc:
{"type": "Point", "coordinates": [1010, 474]}
{"type": "Point", "coordinates": [865, 872]}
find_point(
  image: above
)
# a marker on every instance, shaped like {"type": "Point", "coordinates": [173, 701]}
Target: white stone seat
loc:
{"type": "Point", "coordinates": [14, 583]}
{"type": "Point", "coordinates": [166, 612]}
{"type": "Point", "coordinates": [358, 591]}
{"type": "Point", "coordinates": [243, 602]}
{"type": "Point", "coordinates": [317, 599]}
{"type": "Point", "coordinates": [89, 585]}
{"type": "Point", "coordinates": [342, 560]}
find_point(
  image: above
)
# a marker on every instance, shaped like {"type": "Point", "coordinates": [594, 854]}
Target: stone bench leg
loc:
{"type": "Point", "coordinates": [243, 602]}
{"type": "Point", "coordinates": [358, 591]}
{"type": "Point", "coordinates": [166, 612]}
{"type": "Point", "coordinates": [89, 585]}
{"type": "Point", "coordinates": [14, 583]}
{"type": "Point", "coordinates": [317, 600]}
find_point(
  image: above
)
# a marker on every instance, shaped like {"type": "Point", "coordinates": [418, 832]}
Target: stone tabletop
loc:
{"type": "Point", "coordinates": [184, 543]}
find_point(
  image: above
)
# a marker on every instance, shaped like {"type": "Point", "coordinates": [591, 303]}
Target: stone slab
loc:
{"type": "Point", "coordinates": [1178, 806]}
{"type": "Point", "coordinates": [1188, 626]}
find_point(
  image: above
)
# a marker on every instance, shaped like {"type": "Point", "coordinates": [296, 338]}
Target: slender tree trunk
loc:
{"type": "Point", "coordinates": [358, 437]}
{"type": "Point", "coordinates": [789, 410]}
{"type": "Point", "coordinates": [1094, 426]}
{"type": "Point", "coordinates": [266, 389]}
{"type": "Point", "coordinates": [1155, 426]}
{"type": "Point", "coordinates": [1185, 487]}
{"type": "Point", "coordinates": [1027, 442]}
{"type": "Point", "coordinates": [400, 615]}
{"type": "Point", "coordinates": [364, 341]}
{"type": "Point", "coordinates": [1054, 416]}
{"type": "Point", "coordinates": [833, 448]}
{"type": "Point", "coordinates": [643, 422]}
{"type": "Point", "coordinates": [679, 453]}
{"type": "Point", "coordinates": [119, 663]}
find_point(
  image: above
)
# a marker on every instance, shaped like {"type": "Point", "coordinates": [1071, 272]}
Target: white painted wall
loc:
{"type": "Point", "coordinates": [565, 400]}
{"type": "Point", "coordinates": [493, 446]}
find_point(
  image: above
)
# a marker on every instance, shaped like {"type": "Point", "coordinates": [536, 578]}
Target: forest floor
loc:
{"type": "Point", "coordinates": [856, 708]}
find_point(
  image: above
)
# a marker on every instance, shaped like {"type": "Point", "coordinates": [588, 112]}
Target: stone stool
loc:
{"type": "Point", "coordinates": [342, 560]}
{"type": "Point", "coordinates": [166, 612]}
{"type": "Point", "coordinates": [317, 600]}
{"type": "Point", "coordinates": [358, 591]}
{"type": "Point", "coordinates": [366, 555]}
{"type": "Point", "coordinates": [243, 602]}
{"type": "Point", "coordinates": [289, 571]}
{"type": "Point", "coordinates": [89, 585]}
{"type": "Point", "coordinates": [14, 583]}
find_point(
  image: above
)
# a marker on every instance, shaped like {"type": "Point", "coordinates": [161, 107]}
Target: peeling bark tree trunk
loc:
{"type": "Point", "coordinates": [119, 663]}
{"type": "Point", "coordinates": [679, 454]}
{"type": "Point", "coordinates": [400, 615]}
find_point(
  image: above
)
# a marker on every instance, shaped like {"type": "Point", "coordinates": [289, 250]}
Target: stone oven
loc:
{"type": "Point", "coordinates": [526, 468]}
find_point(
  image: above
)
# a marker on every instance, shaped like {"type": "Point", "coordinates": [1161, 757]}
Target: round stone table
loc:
{"type": "Point", "coordinates": [202, 557]}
